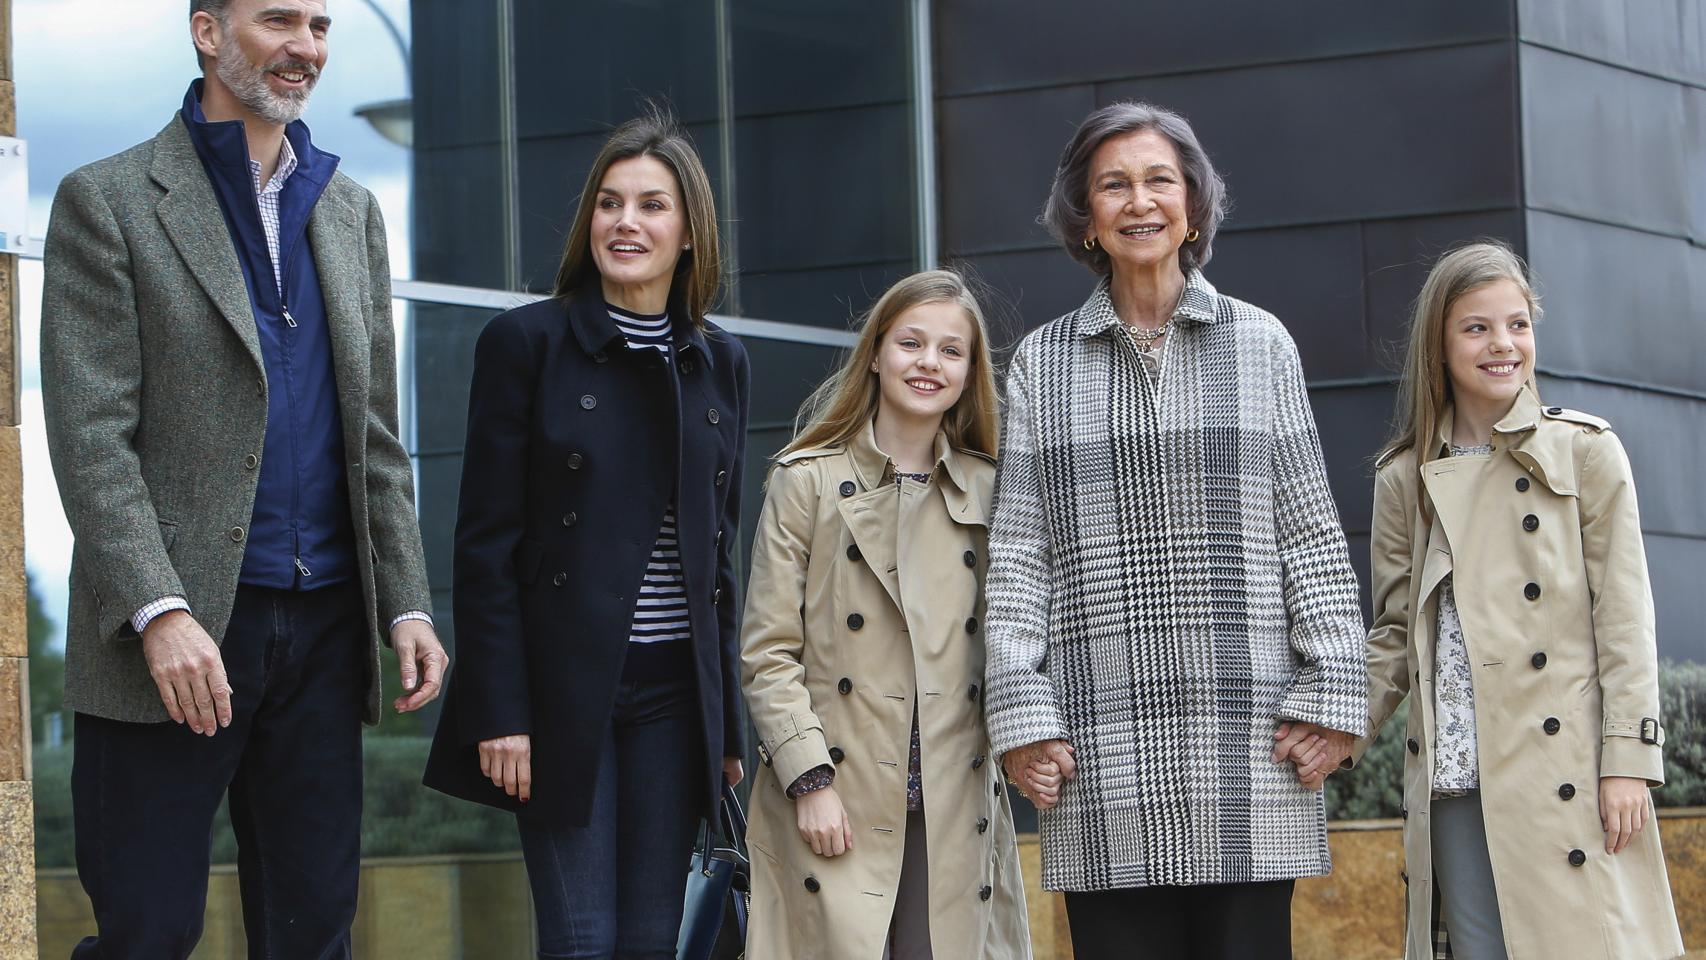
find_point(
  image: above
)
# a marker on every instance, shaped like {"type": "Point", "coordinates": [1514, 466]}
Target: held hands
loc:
{"type": "Point", "coordinates": [508, 761]}
{"type": "Point", "coordinates": [1317, 751]}
{"type": "Point", "coordinates": [823, 822]}
{"type": "Point", "coordinates": [421, 662]}
{"type": "Point", "coordinates": [186, 667]}
{"type": "Point", "coordinates": [1039, 769]}
{"type": "Point", "coordinates": [1625, 806]}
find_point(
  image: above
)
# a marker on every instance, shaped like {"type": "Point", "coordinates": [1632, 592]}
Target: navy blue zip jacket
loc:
{"type": "Point", "coordinates": [300, 535]}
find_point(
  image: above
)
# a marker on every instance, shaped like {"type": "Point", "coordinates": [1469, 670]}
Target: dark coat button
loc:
{"type": "Point", "coordinates": [599, 357]}
{"type": "Point", "coordinates": [1554, 411]}
{"type": "Point", "coordinates": [847, 488]}
{"type": "Point", "coordinates": [712, 415]}
{"type": "Point", "coordinates": [971, 559]}
{"type": "Point", "coordinates": [1415, 748]}
{"type": "Point", "coordinates": [687, 366]}
{"type": "Point", "coordinates": [1567, 792]}
{"type": "Point", "coordinates": [251, 461]}
{"type": "Point", "coordinates": [1577, 858]}
{"type": "Point", "coordinates": [588, 401]}
{"type": "Point", "coordinates": [1403, 813]}
{"type": "Point", "coordinates": [985, 893]}
{"type": "Point", "coordinates": [853, 552]}
{"type": "Point", "coordinates": [560, 579]}
{"type": "Point", "coordinates": [575, 460]}
{"type": "Point", "coordinates": [236, 534]}
{"type": "Point", "coordinates": [977, 761]}
{"type": "Point", "coordinates": [997, 790]}
{"type": "Point", "coordinates": [855, 621]}
{"type": "Point", "coordinates": [722, 477]}
{"type": "Point", "coordinates": [971, 624]}
{"type": "Point", "coordinates": [1538, 660]}
{"type": "Point", "coordinates": [1551, 726]}
{"type": "Point", "coordinates": [836, 754]}
{"type": "Point", "coordinates": [845, 686]}
{"type": "Point", "coordinates": [1521, 484]}
{"type": "Point", "coordinates": [971, 693]}
{"type": "Point", "coordinates": [716, 596]}
{"type": "Point", "coordinates": [982, 824]}
{"type": "Point", "coordinates": [1531, 523]}
{"type": "Point", "coordinates": [812, 886]}
{"type": "Point", "coordinates": [1532, 591]}
{"type": "Point", "coordinates": [570, 519]}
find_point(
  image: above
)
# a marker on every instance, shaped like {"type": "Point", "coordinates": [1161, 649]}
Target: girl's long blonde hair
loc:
{"type": "Point", "coordinates": [1425, 388]}
{"type": "Point", "coordinates": [841, 406]}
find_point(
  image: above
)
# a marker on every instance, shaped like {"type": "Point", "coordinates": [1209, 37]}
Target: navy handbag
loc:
{"type": "Point", "coordinates": [713, 921]}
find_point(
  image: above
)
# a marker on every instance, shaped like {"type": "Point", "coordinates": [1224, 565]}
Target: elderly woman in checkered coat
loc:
{"type": "Point", "coordinates": [1175, 638]}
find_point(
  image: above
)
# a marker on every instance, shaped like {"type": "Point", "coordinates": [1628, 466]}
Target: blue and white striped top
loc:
{"type": "Point", "coordinates": [660, 611]}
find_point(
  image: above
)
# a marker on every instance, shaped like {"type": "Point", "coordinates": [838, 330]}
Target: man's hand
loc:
{"type": "Point", "coordinates": [1040, 769]}
{"type": "Point", "coordinates": [188, 671]}
{"type": "Point", "coordinates": [1625, 805]}
{"type": "Point", "coordinates": [1317, 751]}
{"type": "Point", "coordinates": [823, 823]}
{"type": "Point", "coordinates": [421, 663]}
{"type": "Point", "coordinates": [508, 761]}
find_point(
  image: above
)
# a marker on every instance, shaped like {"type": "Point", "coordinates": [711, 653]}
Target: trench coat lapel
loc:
{"type": "Point", "coordinates": [872, 514]}
{"type": "Point", "coordinates": [335, 239]}
{"type": "Point", "coordinates": [191, 216]}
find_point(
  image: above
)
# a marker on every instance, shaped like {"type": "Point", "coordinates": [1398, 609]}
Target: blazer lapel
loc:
{"type": "Point", "coordinates": [192, 218]}
{"type": "Point", "coordinates": [339, 257]}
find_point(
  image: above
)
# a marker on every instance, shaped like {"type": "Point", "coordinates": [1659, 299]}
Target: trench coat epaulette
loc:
{"type": "Point", "coordinates": [808, 453]}
{"type": "Point", "coordinates": [1597, 424]}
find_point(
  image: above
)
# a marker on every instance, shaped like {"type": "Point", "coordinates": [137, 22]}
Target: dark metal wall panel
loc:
{"type": "Point", "coordinates": [821, 297]}
{"type": "Point", "coordinates": [1402, 134]}
{"type": "Point", "coordinates": [791, 56]}
{"type": "Point", "coordinates": [1027, 288]}
{"type": "Point", "coordinates": [459, 233]}
{"type": "Point", "coordinates": [1666, 37]}
{"type": "Point", "coordinates": [1309, 277]}
{"type": "Point", "coordinates": [453, 107]}
{"type": "Point", "coordinates": [1694, 144]}
{"type": "Point", "coordinates": [1674, 565]}
{"type": "Point", "coordinates": [1603, 143]}
{"type": "Point", "coordinates": [1620, 303]}
{"type": "Point", "coordinates": [989, 45]}
{"type": "Point", "coordinates": [1397, 255]}
{"type": "Point", "coordinates": [1353, 423]}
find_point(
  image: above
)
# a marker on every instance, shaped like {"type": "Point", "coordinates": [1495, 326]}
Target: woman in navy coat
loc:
{"type": "Point", "coordinates": [596, 691]}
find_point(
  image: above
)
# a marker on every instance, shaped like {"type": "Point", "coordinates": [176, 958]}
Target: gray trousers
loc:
{"type": "Point", "coordinates": [1463, 876]}
{"type": "Point", "coordinates": [909, 929]}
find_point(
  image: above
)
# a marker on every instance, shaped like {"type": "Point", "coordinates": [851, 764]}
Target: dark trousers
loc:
{"type": "Point", "coordinates": [1231, 921]}
{"type": "Point", "coordinates": [614, 887]}
{"type": "Point", "coordinates": [144, 795]}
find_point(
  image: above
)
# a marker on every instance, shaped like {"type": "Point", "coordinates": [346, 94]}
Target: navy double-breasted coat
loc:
{"type": "Point", "coordinates": [576, 445]}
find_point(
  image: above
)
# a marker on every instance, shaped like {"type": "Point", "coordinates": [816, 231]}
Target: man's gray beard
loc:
{"type": "Point", "coordinates": [249, 86]}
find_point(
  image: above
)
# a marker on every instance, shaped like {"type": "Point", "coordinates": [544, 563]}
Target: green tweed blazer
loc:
{"type": "Point", "coordinates": [156, 403]}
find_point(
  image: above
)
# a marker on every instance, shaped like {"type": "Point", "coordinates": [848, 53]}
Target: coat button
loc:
{"type": "Point", "coordinates": [575, 460]}
{"type": "Point", "coordinates": [716, 596]}
{"type": "Point", "coordinates": [1554, 411]}
{"type": "Point", "coordinates": [588, 401]}
{"type": "Point", "coordinates": [1521, 484]}
{"type": "Point", "coordinates": [560, 579]}
{"type": "Point", "coordinates": [1531, 523]}
{"type": "Point", "coordinates": [251, 461]}
{"type": "Point", "coordinates": [1415, 748]}
{"type": "Point", "coordinates": [977, 761]}
{"type": "Point", "coordinates": [600, 357]}
{"type": "Point", "coordinates": [570, 519]}
{"type": "Point", "coordinates": [985, 893]}
{"type": "Point", "coordinates": [970, 559]}
{"type": "Point", "coordinates": [236, 534]}
{"type": "Point", "coordinates": [1403, 813]}
{"type": "Point", "coordinates": [853, 552]}
{"type": "Point", "coordinates": [260, 388]}
{"type": "Point", "coordinates": [971, 693]}
{"type": "Point", "coordinates": [845, 686]}
{"type": "Point", "coordinates": [1551, 726]}
{"type": "Point", "coordinates": [1532, 591]}
{"type": "Point", "coordinates": [719, 538]}
{"type": "Point", "coordinates": [997, 789]}
{"type": "Point", "coordinates": [1577, 858]}
{"type": "Point", "coordinates": [812, 886]}
{"type": "Point", "coordinates": [687, 366]}
{"type": "Point", "coordinates": [982, 824]}
{"type": "Point", "coordinates": [855, 621]}
{"type": "Point", "coordinates": [712, 415]}
{"type": "Point", "coordinates": [1538, 660]}
{"type": "Point", "coordinates": [722, 477]}
{"type": "Point", "coordinates": [836, 754]}
{"type": "Point", "coordinates": [971, 624]}
{"type": "Point", "coordinates": [847, 488]}
{"type": "Point", "coordinates": [1567, 792]}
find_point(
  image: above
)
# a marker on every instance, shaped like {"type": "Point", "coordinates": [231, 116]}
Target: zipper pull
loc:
{"type": "Point", "coordinates": [300, 568]}
{"type": "Point", "coordinates": [290, 321]}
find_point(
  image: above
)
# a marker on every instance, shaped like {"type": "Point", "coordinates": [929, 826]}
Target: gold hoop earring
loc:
{"type": "Point", "coordinates": [1193, 236]}
{"type": "Point", "coordinates": [1089, 243]}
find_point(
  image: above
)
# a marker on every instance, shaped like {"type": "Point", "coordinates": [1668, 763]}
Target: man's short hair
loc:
{"type": "Point", "coordinates": [215, 7]}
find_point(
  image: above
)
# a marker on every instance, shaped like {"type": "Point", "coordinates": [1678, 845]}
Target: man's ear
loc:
{"type": "Point", "coordinates": [205, 34]}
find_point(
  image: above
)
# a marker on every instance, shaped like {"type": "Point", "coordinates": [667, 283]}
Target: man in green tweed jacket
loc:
{"type": "Point", "coordinates": [220, 389]}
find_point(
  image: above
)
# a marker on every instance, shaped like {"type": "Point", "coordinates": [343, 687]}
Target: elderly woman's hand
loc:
{"type": "Point", "coordinates": [1316, 751]}
{"type": "Point", "coordinates": [1039, 769]}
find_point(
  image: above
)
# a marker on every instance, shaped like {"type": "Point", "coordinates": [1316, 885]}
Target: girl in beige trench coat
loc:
{"type": "Point", "coordinates": [862, 656]}
{"type": "Point", "coordinates": [1511, 596]}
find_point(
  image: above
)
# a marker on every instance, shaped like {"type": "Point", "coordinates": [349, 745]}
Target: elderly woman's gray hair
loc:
{"type": "Point", "coordinates": [1067, 212]}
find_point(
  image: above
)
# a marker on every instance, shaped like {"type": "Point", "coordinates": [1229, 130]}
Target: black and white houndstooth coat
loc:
{"type": "Point", "coordinates": [1167, 580]}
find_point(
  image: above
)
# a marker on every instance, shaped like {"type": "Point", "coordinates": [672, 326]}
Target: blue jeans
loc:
{"type": "Point", "coordinates": [614, 887]}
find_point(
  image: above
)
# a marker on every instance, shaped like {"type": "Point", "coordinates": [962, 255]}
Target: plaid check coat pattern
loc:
{"type": "Point", "coordinates": [1168, 580]}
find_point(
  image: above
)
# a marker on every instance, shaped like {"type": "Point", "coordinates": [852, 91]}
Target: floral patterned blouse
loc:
{"type": "Point", "coordinates": [1455, 769]}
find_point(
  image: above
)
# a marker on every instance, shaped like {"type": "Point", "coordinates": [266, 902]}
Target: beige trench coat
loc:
{"type": "Point", "coordinates": [865, 600]}
{"type": "Point", "coordinates": [1543, 542]}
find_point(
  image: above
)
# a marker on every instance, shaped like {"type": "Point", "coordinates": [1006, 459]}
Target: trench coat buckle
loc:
{"type": "Point", "coordinates": [1649, 738]}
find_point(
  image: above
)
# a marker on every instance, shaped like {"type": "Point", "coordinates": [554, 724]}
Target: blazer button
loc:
{"type": "Point", "coordinates": [836, 754]}
{"type": "Point", "coordinates": [971, 693]}
{"type": "Point", "coordinates": [712, 415]}
{"type": "Point", "coordinates": [1415, 748]}
{"type": "Point", "coordinates": [1577, 858]}
{"type": "Point", "coordinates": [1531, 523]}
{"type": "Point", "coordinates": [599, 357]}
{"type": "Point", "coordinates": [847, 488]}
{"type": "Point", "coordinates": [719, 541]}
{"type": "Point", "coordinates": [236, 534]}
{"type": "Point", "coordinates": [845, 686]}
{"type": "Point", "coordinates": [260, 388]}
{"type": "Point", "coordinates": [982, 824]}
{"type": "Point", "coordinates": [1521, 484]}
{"type": "Point", "coordinates": [251, 461]}
{"type": "Point", "coordinates": [977, 761]}
{"type": "Point", "coordinates": [971, 624]}
{"type": "Point", "coordinates": [575, 460]}
{"type": "Point", "coordinates": [970, 559]}
{"type": "Point", "coordinates": [1532, 591]}
{"type": "Point", "coordinates": [588, 401]}
{"type": "Point", "coordinates": [1538, 660]}
{"type": "Point", "coordinates": [855, 621]}
{"type": "Point", "coordinates": [722, 476]}
{"type": "Point", "coordinates": [984, 894]}
{"type": "Point", "coordinates": [853, 552]}
{"type": "Point", "coordinates": [1567, 792]}
{"type": "Point", "coordinates": [1551, 726]}
{"type": "Point", "coordinates": [687, 366]}
{"type": "Point", "coordinates": [560, 579]}
{"type": "Point", "coordinates": [812, 886]}
{"type": "Point", "coordinates": [570, 519]}
{"type": "Point", "coordinates": [716, 596]}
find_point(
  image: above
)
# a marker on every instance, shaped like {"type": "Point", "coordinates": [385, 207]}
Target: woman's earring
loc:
{"type": "Point", "coordinates": [1192, 236]}
{"type": "Point", "coordinates": [1089, 243]}
{"type": "Point", "coordinates": [687, 246]}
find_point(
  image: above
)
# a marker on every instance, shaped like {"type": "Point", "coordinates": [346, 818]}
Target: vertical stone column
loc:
{"type": "Point", "coordinates": [17, 830]}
